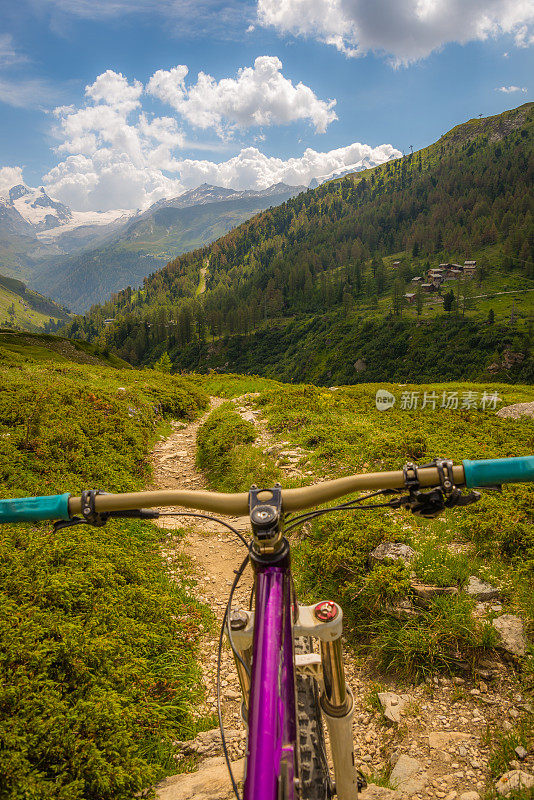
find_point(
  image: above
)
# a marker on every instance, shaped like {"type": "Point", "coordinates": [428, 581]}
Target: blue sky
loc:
{"type": "Point", "coordinates": [292, 89]}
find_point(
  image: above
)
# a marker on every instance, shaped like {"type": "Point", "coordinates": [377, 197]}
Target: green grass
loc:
{"type": "Point", "coordinates": [97, 644]}
{"type": "Point", "coordinates": [230, 386]}
{"type": "Point", "coordinates": [27, 347]}
{"type": "Point", "coordinates": [501, 745]}
{"type": "Point", "coordinates": [437, 566]}
{"type": "Point", "coordinates": [343, 433]}
{"type": "Point", "coordinates": [24, 316]}
{"type": "Point", "coordinates": [226, 453]}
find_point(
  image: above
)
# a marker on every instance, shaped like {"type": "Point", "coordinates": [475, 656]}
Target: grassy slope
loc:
{"type": "Point", "coordinates": [146, 246]}
{"type": "Point", "coordinates": [33, 347]}
{"type": "Point", "coordinates": [25, 316]}
{"type": "Point", "coordinates": [249, 252]}
{"type": "Point", "coordinates": [97, 644]}
{"type": "Point", "coordinates": [343, 433]}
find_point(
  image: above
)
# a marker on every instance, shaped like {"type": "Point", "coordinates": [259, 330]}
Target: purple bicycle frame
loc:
{"type": "Point", "coordinates": [272, 728]}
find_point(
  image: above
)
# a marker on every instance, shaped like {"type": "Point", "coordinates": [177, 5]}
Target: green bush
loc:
{"type": "Point", "coordinates": [97, 662]}
{"type": "Point", "coordinates": [443, 637]}
{"type": "Point", "coordinates": [97, 644]}
{"type": "Point", "coordinates": [226, 454]}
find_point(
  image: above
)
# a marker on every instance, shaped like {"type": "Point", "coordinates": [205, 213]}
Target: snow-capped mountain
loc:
{"type": "Point", "coordinates": [81, 257]}
{"type": "Point", "coordinates": [152, 238]}
{"type": "Point", "coordinates": [45, 215]}
{"type": "Point", "coordinates": [207, 193]}
{"type": "Point", "coordinates": [37, 208]}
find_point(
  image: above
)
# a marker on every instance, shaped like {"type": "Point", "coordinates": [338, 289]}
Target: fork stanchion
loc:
{"type": "Point", "coordinates": [337, 705]}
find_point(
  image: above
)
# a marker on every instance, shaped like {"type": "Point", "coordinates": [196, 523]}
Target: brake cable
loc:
{"type": "Point", "coordinates": [225, 625]}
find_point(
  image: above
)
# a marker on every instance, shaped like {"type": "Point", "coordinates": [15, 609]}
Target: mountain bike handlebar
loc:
{"type": "Point", "coordinates": [487, 472]}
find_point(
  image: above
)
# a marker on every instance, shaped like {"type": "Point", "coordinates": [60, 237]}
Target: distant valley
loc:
{"type": "Point", "coordinates": [81, 258]}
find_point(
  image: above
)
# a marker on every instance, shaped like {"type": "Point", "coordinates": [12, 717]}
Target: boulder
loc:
{"type": "Point", "coordinates": [441, 740]}
{"type": "Point", "coordinates": [394, 550]}
{"type": "Point", "coordinates": [481, 590]}
{"type": "Point", "coordinates": [426, 593]}
{"type": "Point", "coordinates": [512, 781]}
{"type": "Point", "coordinates": [511, 634]}
{"type": "Point", "coordinates": [517, 410]}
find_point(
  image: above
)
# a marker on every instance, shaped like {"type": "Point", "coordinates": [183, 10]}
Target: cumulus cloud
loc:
{"type": "Point", "coordinates": [511, 89]}
{"type": "Point", "coordinates": [253, 169]}
{"type": "Point", "coordinates": [116, 155]}
{"type": "Point", "coordinates": [259, 96]}
{"type": "Point", "coordinates": [10, 176]}
{"type": "Point", "coordinates": [405, 30]}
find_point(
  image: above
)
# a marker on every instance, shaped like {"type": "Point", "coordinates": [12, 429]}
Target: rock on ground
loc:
{"type": "Point", "coordinates": [440, 740]}
{"type": "Point", "coordinates": [211, 782]}
{"type": "Point", "coordinates": [374, 792]}
{"type": "Point", "coordinates": [513, 780]}
{"type": "Point", "coordinates": [517, 410]}
{"type": "Point", "coordinates": [407, 775]}
{"type": "Point", "coordinates": [511, 634]}
{"type": "Point", "coordinates": [393, 704]}
{"type": "Point", "coordinates": [481, 590]}
{"type": "Point", "coordinates": [394, 550]}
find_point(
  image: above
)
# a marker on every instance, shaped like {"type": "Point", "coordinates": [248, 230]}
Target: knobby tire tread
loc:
{"type": "Point", "coordinates": [315, 781]}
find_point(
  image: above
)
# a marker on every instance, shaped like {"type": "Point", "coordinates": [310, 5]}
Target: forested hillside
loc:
{"type": "Point", "coordinates": [331, 252]}
{"type": "Point", "coordinates": [148, 241]}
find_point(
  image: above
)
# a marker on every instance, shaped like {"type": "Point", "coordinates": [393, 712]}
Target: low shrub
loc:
{"type": "Point", "coordinates": [436, 565]}
{"type": "Point", "coordinates": [443, 637]}
{"type": "Point", "coordinates": [97, 645]}
{"type": "Point", "coordinates": [226, 455]}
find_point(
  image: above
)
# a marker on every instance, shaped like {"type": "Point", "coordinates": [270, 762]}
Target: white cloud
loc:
{"type": "Point", "coordinates": [405, 30]}
{"type": "Point", "coordinates": [117, 156]}
{"type": "Point", "coordinates": [511, 89]}
{"type": "Point", "coordinates": [182, 18]}
{"type": "Point", "coordinates": [10, 176]}
{"type": "Point", "coordinates": [8, 54]}
{"type": "Point", "coordinates": [27, 93]}
{"type": "Point", "coordinates": [259, 96]}
{"type": "Point", "coordinates": [252, 169]}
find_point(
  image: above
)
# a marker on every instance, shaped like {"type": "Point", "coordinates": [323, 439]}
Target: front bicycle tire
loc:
{"type": "Point", "coordinates": [315, 780]}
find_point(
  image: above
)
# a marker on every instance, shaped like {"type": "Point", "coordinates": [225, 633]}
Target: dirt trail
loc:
{"type": "Point", "coordinates": [441, 730]}
{"type": "Point", "coordinates": [214, 554]}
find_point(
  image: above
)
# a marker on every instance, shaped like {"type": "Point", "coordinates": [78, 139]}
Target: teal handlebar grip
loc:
{"type": "Point", "coordinates": [494, 471]}
{"type": "Point", "coordinates": [27, 509]}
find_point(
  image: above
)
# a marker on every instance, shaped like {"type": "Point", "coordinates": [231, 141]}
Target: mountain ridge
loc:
{"type": "Point", "coordinates": [149, 238]}
{"type": "Point", "coordinates": [331, 250]}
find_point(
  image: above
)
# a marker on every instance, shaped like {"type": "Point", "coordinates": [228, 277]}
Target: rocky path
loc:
{"type": "Point", "coordinates": [431, 737]}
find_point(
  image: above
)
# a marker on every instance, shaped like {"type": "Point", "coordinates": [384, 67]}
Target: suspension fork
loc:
{"type": "Point", "coordinates": [323, 621]}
